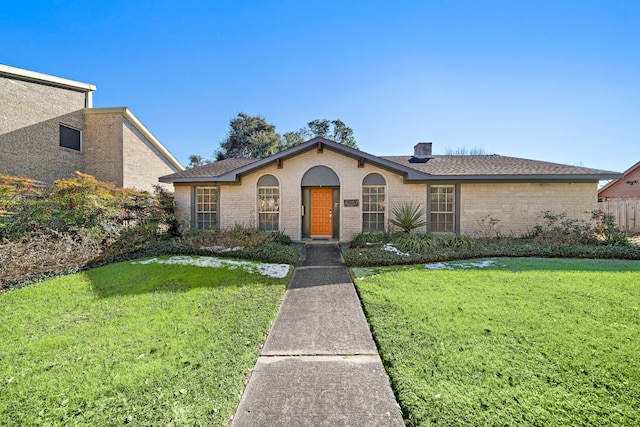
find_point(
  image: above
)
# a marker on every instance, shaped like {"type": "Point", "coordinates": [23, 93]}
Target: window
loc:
{"type": "Point", "coordinates": [443, 208]}
{"type": "Point", "coordinates": [373, 202]}
{"type": "Point", "coordinates": [268, 203]}
{"type": "Point", "coordinates": [70, 138]}
{"type": "Point", "coordinates": [206, 207]}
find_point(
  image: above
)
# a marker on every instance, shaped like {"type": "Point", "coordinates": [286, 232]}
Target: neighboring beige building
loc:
{"type": "Point", "coordinates": [325, 190]}
{"type": "Point", "coordinates": [49, 129]}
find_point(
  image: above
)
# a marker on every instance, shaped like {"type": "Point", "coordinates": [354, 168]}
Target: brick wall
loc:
{"type": "Point", "coordinates": [143, 164]}
{"type": "Point", "coordinates": [29, 129]}
{"type": "Point", "coordinates": [238, 203]}
{"type": "Point", "coordinates": [518, 207]}
{"type": "Point", "coordinates": [104, 146]}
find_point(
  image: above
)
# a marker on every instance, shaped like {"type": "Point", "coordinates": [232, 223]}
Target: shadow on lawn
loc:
{"type": "Point", "coordinates": [124, 279]}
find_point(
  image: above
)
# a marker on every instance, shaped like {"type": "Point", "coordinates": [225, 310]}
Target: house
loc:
{"type": "Point", "coordinates": [627, 187]}
{"type": "Point", "coordinates": [49, 129]}
{"type": "Point", "coordinates": [325, 190]}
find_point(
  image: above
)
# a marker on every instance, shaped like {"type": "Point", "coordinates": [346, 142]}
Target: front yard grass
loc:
{"type": "Point", "coordinates": [137, 344]}
{"type": "Point", "coordinates": [539, 342]}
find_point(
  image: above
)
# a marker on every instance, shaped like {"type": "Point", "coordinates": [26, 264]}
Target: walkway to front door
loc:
{"type": "Point", "coordinates": [319, 365]}
{"type": "Point", "coordinates": [321, 221]}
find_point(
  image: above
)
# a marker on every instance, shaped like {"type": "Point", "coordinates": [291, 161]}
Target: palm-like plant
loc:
{"type": "Point", "coordinates": [408, 216]}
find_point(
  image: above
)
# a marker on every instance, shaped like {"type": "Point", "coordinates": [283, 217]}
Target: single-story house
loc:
{"type": "Point", "coordinates": [321, 189]}
{"type": "Point", "coordinates": [625, 188]}
{"type": "Point", "coordinates": [49, 129]}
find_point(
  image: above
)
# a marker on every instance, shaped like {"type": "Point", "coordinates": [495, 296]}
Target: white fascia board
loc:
{"type": "Point", "coordinates": [45, 78]}
{"type": "Point", "coordinates": [142, 128]}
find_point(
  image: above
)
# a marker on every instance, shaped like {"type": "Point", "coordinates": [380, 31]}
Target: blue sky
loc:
{"type": "Point", "coordinates": [548, 80]}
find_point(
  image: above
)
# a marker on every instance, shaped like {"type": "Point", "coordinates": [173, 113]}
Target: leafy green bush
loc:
{"type": "Point", "coordinates": [408, 216]}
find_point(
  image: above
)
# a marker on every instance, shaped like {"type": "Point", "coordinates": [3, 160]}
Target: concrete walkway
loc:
{"type": "Point", "coordinates": [319, 365]}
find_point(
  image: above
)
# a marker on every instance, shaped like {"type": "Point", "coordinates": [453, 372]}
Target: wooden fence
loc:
{"type": "Point", "coordinates": [625, 212]}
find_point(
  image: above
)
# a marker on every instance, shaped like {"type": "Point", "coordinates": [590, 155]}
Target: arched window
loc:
{"type": "Point", "coordinates": [268, 203]}
{"type": "Point", "coordinates": [373, 202]}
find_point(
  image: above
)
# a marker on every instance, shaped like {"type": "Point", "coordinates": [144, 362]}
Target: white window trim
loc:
{"type": "Point", "coordinates": [258, 187]}
{"type": "Point", "coordinates": [217, 207]}
{"type": "Point", "coordinates": [385, 217]}
{"type": "Point", "coordinates": [452, 212]}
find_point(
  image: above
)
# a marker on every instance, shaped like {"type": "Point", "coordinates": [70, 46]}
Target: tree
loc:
{"type": "Point", "coordinates": [253, 137]}
{"type": "Point", "coordinates": [464, 151]}
{"type": "Point", "coordinates": [250, 137]}
{"type": "Point", "coordinates": [196, 160]}
{"type": "Point", "coordinates": [335, 130]}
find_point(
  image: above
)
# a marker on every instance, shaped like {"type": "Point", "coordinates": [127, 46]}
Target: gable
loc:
{"type": "Point", "coordinates": [626, 187]}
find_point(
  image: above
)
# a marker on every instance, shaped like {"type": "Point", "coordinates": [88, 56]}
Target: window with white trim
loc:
{"type": "Point", "coordinates": [443, 208]}
{"type": "Point", "coordinates": [268, 203]}
{"type": "Point", "coordinates": [373, 202]}
{"type": "Point", "coordinates": [206, 208]}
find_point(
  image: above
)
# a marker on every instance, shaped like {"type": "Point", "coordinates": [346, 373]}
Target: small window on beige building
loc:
{"type": "Point", "coordinates": [70, 138]}
{"type": "Point", "coordinates": [206, 212]}
{"type": "Point", "coordinates": [443, 208]}
{"type": "Point", "coordinates": [268, 203]}
{"type": "Point", "coordinates": [373, 202]}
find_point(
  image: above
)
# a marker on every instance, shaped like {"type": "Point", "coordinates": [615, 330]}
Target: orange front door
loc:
{"type": "Point", "coordinates": [321, 201]}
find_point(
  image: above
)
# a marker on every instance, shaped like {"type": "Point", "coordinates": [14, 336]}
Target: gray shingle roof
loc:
{"type": "Point", "coordinates": [213, 170]}
{"type": "Point", "coordinates": [483, 168]}
{"type": "Point", "coordinates": [491, 165]}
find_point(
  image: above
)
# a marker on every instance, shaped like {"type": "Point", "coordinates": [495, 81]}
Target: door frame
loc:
{"type": "Point", "coordinates": [306, 212]}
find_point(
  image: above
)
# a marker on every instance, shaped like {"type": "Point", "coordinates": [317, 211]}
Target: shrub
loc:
{"type": "Point", "coordinates": [408, 216]}
{"type": "Point", "coordinates": [416, 243]}
{"type": "Point", "coordinates": [43, 254]}
{"type": "Point", "coordinates": [368, 238]}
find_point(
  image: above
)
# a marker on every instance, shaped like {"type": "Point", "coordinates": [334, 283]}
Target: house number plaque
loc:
{"type": "Point", "coordinates": [351, 203]}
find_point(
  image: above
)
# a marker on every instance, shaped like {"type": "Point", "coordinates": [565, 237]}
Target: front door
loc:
{"type": "Point", "coordinates": [321, 203]}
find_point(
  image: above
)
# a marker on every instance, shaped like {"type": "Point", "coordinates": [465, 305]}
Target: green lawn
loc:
{"type": "Point", "coordinates": [534, 342]}
{"type": "Point", "coordinates": [143, 344]}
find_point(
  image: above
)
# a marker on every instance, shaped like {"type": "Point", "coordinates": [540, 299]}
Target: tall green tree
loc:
{"type": "Point", "coordinates": [336, 130]}
{"type": "Point", "coordinates": [250, 137]}
{"type": "Point", "coordinates": [253, 137]}
{"type": "Point", "coordinates": [196, 160]}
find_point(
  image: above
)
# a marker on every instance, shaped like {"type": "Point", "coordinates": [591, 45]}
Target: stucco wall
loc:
{"type": "Point", "coordinates": [29, 129]}
{"type": "Point", "coordinates": [519, 207]}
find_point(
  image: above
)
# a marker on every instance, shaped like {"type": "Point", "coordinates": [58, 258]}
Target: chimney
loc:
{"type": "Point", "coordinates": [421, 152]}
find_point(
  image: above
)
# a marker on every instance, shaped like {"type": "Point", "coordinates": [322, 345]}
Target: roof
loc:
{"type": "Point", "coordinates": [436, 168]}
{"type": "Point", "coordinates": [495, 166]}
{"type": "Point", "coordinates": [211, 170]}
{"type": "Point", "coordinates": [141, 128]}
{"type": "Point", "coordinates": [45, 78]}
{"type": "Point", "coordinates": [615, 181]}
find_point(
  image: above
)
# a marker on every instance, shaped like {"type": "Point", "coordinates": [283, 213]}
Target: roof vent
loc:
{"type": "Point", "coordinates": [421, 153]}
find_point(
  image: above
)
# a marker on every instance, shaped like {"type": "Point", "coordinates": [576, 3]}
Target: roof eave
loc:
{"type": "Point", "coordinates": [34, 76]}
{"type": "Point", "coordinates": [524, 178]}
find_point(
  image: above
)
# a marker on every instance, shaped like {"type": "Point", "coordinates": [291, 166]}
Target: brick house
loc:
{"type": "Point", "coordinates": [322, 189]}
{"type": "Point", "coordinates": [625, 188]}
{"type": "Point", "coordinates": [49, 129]}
